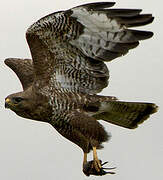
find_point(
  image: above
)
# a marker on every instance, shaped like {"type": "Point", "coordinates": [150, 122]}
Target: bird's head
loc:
{"type": "Point", "coordinates": [19, 103]}
{"type": "Point", "coordinates": [14, 101]}
{"type": "Point", "coordinates": [28, 105]}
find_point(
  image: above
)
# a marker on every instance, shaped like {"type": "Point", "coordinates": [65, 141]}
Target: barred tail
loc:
{"type": "Point", "coordinates": [125, 114]}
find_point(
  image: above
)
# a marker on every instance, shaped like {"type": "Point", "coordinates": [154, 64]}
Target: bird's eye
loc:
{"type": "Point", "coordinates": [17, 99]}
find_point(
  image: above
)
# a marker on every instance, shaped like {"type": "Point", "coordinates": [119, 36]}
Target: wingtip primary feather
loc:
{"type": "Point", "coordinates": [123, 12]}
{"type": "Point", "coordinates": [138, 20]}
{"type": "Point", "coordinates": [140, 35]}
{"type": "Point", "coordinates": [97, 5]}
{"type": "Point", "coordinates": [8, 61]}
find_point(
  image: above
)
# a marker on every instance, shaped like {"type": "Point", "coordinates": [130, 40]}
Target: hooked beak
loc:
{"type": "Point", "coordinates": [7, 103]}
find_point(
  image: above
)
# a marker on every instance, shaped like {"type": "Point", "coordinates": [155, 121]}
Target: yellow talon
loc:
{"type": "Point", "coordinates": [96, 160]}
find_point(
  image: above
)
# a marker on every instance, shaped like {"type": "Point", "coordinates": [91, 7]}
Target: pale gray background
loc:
{"type": "Point", "coordinates": [31, 150]}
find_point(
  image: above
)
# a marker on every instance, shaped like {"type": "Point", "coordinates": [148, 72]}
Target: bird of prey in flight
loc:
{"type": "Point", "coordinates": [60, 83]}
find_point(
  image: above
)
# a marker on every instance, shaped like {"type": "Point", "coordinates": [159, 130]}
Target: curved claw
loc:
{"type": "Point", "coordinates": [104, 163]}
{"type": "Point", "coordinates": [90, 169]}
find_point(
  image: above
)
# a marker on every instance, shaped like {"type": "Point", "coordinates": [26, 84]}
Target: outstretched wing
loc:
{"type": "Point", "coordinates": [23, 69]}
{"type": "Point", "coordinates": [68, 47]}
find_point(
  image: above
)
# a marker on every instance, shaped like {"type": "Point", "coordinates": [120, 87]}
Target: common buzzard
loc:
{"type": "Point", "coordinates": [67, 70]}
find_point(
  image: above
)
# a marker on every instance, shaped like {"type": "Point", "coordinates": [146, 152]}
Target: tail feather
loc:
{"type": "Point", "coordinates": [125, 114]}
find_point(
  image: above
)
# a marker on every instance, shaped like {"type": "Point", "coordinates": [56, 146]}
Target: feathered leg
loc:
{"type": "Point", "coordinates": [88, 134]}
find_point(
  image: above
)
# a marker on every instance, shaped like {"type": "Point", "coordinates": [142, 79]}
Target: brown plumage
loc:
{"type": "Point", "coordinates": [67, 70]}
